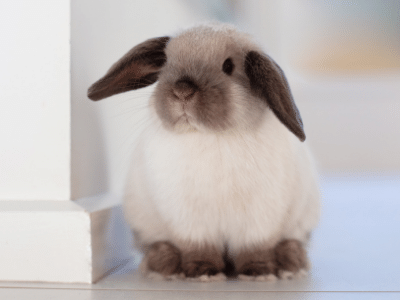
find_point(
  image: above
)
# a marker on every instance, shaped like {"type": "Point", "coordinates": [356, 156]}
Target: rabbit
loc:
{"type": "Point", "coordinates": [221, 180]}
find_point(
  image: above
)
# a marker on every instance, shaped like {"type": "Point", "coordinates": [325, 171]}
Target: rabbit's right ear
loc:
{"type": "Point", "coordinates": [268, 82]}
{"type": "Point", "coordinates": [136, 69]}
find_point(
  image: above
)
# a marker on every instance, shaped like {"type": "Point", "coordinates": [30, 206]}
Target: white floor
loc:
{"type": "Point", "coordinates": [354, 252]}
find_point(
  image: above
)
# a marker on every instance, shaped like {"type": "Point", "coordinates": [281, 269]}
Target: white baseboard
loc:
{"type": "Point", "coordinates": [61, 241]}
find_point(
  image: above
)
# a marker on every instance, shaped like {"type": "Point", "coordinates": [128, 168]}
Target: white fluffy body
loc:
{"type": "Point", "coordinates": [236, 188]}
{"type": "Point", "coordinates": [249, 186]}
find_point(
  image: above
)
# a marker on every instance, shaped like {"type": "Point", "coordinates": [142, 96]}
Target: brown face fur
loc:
{"type": "Point", "coordinates": [218, 100]}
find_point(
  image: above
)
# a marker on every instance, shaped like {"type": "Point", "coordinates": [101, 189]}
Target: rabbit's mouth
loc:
{"type": "Point", "coordinates": [185, 123]}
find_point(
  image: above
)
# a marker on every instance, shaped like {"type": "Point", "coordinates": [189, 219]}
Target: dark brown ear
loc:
{"type": "Point", "coordinates": [136, 69]}
{"type": "Point", "coordinates": [268, 82]}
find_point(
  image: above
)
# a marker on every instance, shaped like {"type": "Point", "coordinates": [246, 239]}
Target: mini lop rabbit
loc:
{"type": "Point", "coordinates": [221, 181]}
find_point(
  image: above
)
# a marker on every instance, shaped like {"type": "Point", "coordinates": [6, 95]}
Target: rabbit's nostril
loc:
{"type": "Point", "coordinates": [184, 89]}
{"type": "Point", "coordinates": [183, 94]}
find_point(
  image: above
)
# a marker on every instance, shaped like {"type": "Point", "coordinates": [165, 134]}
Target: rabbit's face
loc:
{"type": "Point", "coordinates": [211, 78]}
{"type": "Point", "coordinates": [203, 86]}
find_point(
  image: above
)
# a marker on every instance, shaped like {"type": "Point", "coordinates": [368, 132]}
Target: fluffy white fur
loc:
{"type": "Point", "coordinates": [250, 186]}
{"type": "Point", "coordinates": [240, 188]}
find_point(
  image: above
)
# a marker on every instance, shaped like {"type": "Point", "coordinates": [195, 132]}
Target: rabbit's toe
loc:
{"type": "Point", "coordinates": [291, 257]}
{"type": "Point", "coordinates": [256, 262]}
{"type": "Point", "coordinates": [202, 261]}
{"type": "Point", "coordinates": [163, 257]}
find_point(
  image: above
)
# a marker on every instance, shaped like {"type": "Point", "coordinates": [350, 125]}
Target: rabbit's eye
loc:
{"type": "Point", "coordinates": [228, 66]}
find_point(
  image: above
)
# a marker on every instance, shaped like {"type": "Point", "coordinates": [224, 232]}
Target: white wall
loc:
{"type": "Point", "coordinates": [263, 20]}
{"type": "Point", "coordinates": [352, 122]}
{"type": "Point", "coordinates": [34, 100]}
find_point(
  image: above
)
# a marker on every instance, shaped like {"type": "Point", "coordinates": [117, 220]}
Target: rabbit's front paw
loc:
{"type": "Point", "coordinates": [164, 258]}
{"type": "Point", "coordinates": [256, 262]}
{"type": "Point", "coordinates": [291, 258]}
{"type": "Point", "coordinates": [198, 261]}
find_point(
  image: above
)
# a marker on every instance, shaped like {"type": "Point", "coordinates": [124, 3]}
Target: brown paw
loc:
{"type": "Point", "coordinates": [290, 256]}
{"type": "Point", "coordinates": [255, 263]}
{"type": "Point", "coordinates": [198, 268]}
{"type": "Point", "coordinates": [164, 258]}
{"type": "Point", "coordinates": [197, 261]}
{"type": "Point", "coordinates": [256, 268]}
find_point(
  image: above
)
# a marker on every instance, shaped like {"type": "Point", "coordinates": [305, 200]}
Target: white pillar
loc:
{"type": "Point", "coordinates": [35, 100]}
{"type": "Point", "coordinates": [44, 236]}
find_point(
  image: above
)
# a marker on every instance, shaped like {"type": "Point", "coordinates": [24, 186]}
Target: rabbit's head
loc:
{"type": "Point", "coordinates": [211, 78]}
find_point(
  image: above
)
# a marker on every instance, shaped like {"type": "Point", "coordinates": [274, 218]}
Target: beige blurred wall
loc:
{"type": "Point", "coordinates": [341, 36]}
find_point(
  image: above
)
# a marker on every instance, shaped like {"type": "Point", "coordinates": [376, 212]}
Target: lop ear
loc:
{"type": "Point", "coordinates": [136, 69]}
{"type": "Point", "coordinates": [268, 82]}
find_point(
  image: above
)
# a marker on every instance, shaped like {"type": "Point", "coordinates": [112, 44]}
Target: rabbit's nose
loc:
{"type": "Point", "coordinates": [184, 89]}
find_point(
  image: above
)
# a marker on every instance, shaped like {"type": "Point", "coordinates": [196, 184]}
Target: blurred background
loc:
{"type": "Point", "coordinates": [342, 60]}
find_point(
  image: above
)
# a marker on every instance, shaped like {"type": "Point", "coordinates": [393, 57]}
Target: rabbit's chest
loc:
{"type": "Point", "coordinates": [215, 185]}
{"type": "Point", "coordinates": [214, 171]}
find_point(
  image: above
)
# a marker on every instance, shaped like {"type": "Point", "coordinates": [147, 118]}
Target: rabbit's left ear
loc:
{"type": "Point", "coordinates": [136, 69]}
{"type": "Point", "coordinates": [268, 82]}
